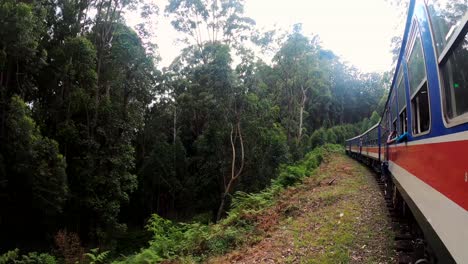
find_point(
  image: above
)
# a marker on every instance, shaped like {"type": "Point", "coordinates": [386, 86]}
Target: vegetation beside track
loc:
{"type": "Point", "coordinates": [324, 209]}
{"type": "Point", "coordinates": [247, 222]}
{"type": "Point", "coordinates": [337, 215]}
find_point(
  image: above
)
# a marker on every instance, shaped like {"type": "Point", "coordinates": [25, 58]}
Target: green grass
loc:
{"type": "Point", "coordinates": [340, 227]}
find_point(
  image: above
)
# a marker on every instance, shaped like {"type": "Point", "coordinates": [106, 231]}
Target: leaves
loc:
{"type": "Point", "coordinates": [96, 257]}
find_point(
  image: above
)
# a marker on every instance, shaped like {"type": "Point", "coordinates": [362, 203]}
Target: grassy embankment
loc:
{"type": "Point", "coordinates": [245, 223]}
{"type": "Point", "coordinates": [323, 209]}
{"type": "Point", "coordinates": [336, 216]}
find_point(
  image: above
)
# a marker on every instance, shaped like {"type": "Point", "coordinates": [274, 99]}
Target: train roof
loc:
{"type": "Point", "coordinates": [367, 131]}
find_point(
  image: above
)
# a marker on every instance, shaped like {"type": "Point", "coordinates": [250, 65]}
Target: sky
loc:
{"type": "Point", "coordinates": [359, 31]}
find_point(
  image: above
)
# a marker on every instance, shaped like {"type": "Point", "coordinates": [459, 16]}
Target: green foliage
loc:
{"type": "Point", "coordinates": [38, 165]}
{"type": "Point", "coordinates": [93, 137]}
{"type": "Point", "coordinates": [96, 257]}
{"type": "Point", "coordinates": [339, 134]}
{"type": "Point", "coordinates": [13, 256]}
{"type": "Point", "coordinates": [292, 174]}
{"type": "Point", "coordinates": [175, 240]}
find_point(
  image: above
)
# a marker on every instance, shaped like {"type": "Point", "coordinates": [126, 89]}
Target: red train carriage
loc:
{"type": "Point", "coordinates": [427, 110]}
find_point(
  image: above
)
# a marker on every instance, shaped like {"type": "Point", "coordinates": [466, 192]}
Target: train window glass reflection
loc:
{"type": "Point", "coordinates": [455, 80]}
{"type": "Point", "coordinates": [418, 86]}
{"type": "Point", "coordinates": [446, 17]}
{"type": "Point", "coordinates": [416, 65]}
{"type": "Point", "coordinates": [394, 113]}
{"type": "Point", "coordinates": [402, 103]}
{"type": "Point", "coordinates": [403, 120]}
{"type": "Point", "coordinates": [420, 111]}
{"type": "Point", "coordinates": [401, 93]}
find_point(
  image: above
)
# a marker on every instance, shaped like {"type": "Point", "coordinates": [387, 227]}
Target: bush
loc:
{"type": "Point", "coordinates": [292, 174]}
{"type": "Point", "coordinates": [31, 258]}
{"type": "Point", "coordinates": [69, 246]}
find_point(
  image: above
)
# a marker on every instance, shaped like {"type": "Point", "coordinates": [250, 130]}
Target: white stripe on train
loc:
{"type": "Point", "coordinates": [448, 219]}
{"type": "Point", "coordinates": [441, 139]}
{"type": "Point", "coordinates": [371, 155]}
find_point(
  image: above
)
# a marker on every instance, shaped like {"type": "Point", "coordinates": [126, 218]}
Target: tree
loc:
{"type": "Point", "coordinates": [297, 64]}
{"type": "Point", "coordinates": [35, 183]}
{"type": "Point", "coordinates": [210, 21]}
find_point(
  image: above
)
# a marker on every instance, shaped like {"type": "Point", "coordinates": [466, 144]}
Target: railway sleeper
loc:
{"type": "Point", "coordinates": [404, 246]}
{"type": "Point", "coordinates": [403, 236]}
{"type": "Point", "coordinates": [404, 258]}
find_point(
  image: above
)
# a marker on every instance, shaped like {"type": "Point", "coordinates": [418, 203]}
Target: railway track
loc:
{"type": "Point", "coordinates": [409, 243]}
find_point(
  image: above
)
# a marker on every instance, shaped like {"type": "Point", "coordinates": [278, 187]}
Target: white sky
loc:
{"type": "Point", "coordinates": [359, 31]}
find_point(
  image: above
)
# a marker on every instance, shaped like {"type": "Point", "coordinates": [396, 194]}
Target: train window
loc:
{"type": "Point", "coordinates": [402, 103]}
{"type": "Point", "coordinates": [384, 125]}
{"type": "Point", "coordinates": [383, 122]}
{"type": "Point", "coordinates": [403, 121]}
{"type": "Point", "coordinates": [449, 26]}
{"type": "Point", "coordinates": [455, 80]}
{"type": "Point", "coordinates": [395, 114]}
{"type": "Point", "coordinates": [446, 17]}
{"type": "Point", "coordinates": [401, 92]}
{"type": "Point", "coordinates": [389, 122]}
{"type": "Point", "coordinates": [394, 107]}
{"type": "Point", "coordinates": [420, 109]}
{"type": "Point", "coordinates": [416, 65]}
{"type": "Point", "coordinates": [418, 87]}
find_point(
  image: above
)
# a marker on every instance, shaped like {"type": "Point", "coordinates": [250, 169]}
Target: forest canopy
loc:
{"type": "Point", "coordinates": [95, 138]}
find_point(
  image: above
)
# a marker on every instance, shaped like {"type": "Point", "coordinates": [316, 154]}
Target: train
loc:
{"type": "Point", "coordinates": [420, 145]}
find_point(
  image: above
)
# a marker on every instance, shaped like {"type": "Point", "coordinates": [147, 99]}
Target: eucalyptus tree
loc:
{"type": "Point", "coordinates": [212, 99]}
{"type": "Point", "coordinates": [210, 21]}
{"type": "Point", "coordinates": [301, 78]}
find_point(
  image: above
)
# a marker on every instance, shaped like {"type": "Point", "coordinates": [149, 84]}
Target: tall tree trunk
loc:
{"type": "Point", "coordinates": [174, 126]}
{"type": "Point", "coordinates": [342, 111]}
{"type": "Point", "coordinates": [234, 175]}
{"type": "Point", "coordinates": [301, 113]}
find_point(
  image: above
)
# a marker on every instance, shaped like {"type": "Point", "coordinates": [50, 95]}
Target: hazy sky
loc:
{"type": "Point", "coordinates": [357, 30]}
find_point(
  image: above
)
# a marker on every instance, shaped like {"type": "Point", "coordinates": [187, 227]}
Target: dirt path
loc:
{"type": "Point", "coordinates": [344, 222]}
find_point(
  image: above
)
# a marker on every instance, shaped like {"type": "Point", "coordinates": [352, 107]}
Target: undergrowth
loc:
{"type": "Point", "coordinates": [14, 256]}
{"type": "Point", "coordinates": [193, 242]}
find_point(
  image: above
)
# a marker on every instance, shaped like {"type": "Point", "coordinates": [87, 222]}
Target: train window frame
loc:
{"type": "Point", "coordinates": [457, 37]}
{"type": "Point", "coordinates": [402, 112]}
{"type": "Point", "coordinates": [394, 113]}
{"type": "Point", "coordinates": [416, 33]}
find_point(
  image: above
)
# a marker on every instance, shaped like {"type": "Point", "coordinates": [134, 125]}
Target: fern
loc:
{"type": "Point", "coordinates": [95, 257]}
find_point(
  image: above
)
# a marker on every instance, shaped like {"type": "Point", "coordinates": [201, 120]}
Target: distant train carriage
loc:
{"type": "Point", "coordinates": [428, 104]}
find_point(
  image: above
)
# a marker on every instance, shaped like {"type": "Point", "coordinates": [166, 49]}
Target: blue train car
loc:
{"type": "Point", "coordinates": [422, 138]}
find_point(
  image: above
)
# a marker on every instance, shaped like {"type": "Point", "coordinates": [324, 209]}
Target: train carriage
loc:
{"type": "Point", "coordinates": [428, 105]}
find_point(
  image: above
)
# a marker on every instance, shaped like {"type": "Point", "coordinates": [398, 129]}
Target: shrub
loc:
{"type": "Point", "coordinates": [31, 258]}
{"type": "Point", "coordinates": [223, 240]}
{"type": "Point", "coordinates": [69, 246]}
